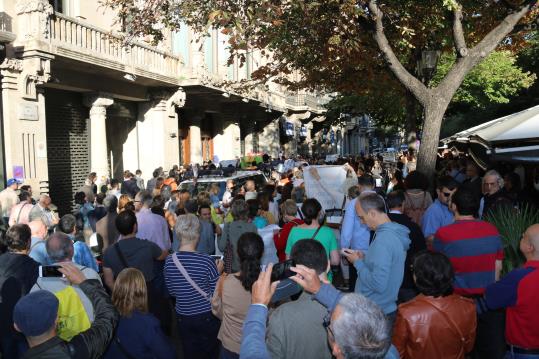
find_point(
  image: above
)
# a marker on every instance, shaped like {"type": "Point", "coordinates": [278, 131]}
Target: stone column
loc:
{"type": "Point", "coordinates": [195, 142]}
{"type": "Point", "coordinates": [98, 132]}
{"type": "Point", "coordinates": [309, 139]}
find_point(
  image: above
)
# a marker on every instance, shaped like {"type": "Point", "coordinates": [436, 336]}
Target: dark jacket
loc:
{"type": "Point", "coordinates": [18, 273]}
{"type": "Point", "coordinates": [91, 343]}
{"type": "Point", "coordinates": [417, 245]}
{"type": "Point", "coordinates": [141, 337]}
{"type": "Point", "coordinates": [130, 188]}
{"type": "Point", "coordinates": [495, 201]}
{"type": "Point", "coordinates": [474, 184]}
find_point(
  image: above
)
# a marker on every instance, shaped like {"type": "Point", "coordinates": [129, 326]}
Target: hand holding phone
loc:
{"type": "Point", "coordinates": [282, 270]}
{"type": "Point", "coordinates": [50, 271]}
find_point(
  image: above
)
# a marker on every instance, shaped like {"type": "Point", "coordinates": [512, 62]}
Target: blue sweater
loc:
{"type": "Point", "coordinates": [380, 273]}
{"type": "Point", "coordinates": [141, 336]}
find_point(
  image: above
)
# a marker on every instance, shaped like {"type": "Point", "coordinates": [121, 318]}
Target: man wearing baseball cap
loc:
{"type": "Point", "coordinates": [9, 198]}
{"type": "Point", "coordinates": [35, 316]}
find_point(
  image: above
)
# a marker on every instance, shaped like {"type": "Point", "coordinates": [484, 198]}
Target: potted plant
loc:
{"type": "Point", "coordinates": [512, 223]}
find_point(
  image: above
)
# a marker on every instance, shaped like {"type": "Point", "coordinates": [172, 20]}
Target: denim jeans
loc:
{"type": "Point", "coordinates": [511, 355]}
{"type": "Point", "coordinates": [199, 335]}
{"type": "Point", "coordinates": [227, 354]}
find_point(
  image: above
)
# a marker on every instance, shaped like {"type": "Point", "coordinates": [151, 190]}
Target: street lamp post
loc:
{"type": "Point", "coordinates": [426, 66]}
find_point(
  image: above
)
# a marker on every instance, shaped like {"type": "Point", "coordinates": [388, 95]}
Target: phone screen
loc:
{"type": "Point", "coordinates": [50, 271]}
{"type": "Point", "coordinates": [282, 270]}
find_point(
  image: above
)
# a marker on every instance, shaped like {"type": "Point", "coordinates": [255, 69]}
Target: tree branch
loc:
{"type": "Point", "coordinates": [409, 81]}
{"type": "Point", "coordinates": [463, 65]}
{"type": "Point", "coordinates": [458, 33]}
{"type": "Point", "coordinates": [496, 35]}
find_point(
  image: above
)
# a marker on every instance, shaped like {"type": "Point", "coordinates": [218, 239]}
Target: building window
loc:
{"type": "Point", "coordinates": [57, 5]}
{"type": "Point", "coordinates": [180, 44]}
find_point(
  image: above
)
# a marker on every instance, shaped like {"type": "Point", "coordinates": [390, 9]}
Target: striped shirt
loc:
{"type": "Point", "coordinates": [202, 270]}
{"type": "Point", "coordinates": [473, 248]}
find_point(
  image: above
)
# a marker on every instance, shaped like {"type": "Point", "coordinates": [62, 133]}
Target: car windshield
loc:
{"type": "Point", "coordinates": [260, 182]}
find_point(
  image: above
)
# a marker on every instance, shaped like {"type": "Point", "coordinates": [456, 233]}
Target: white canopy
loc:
{"type": "Point", "coordinates": [522, 126]}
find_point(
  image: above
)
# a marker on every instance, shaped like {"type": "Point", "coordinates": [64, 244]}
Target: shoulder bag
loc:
{"type": "Point", "coordinates": [228, 253]}
{"type": "Point", "coordinates": [188, 278]}
{"type": "Point", "coordinates": [120, 255]}
{"type": "Point", "coordinates": [316, 232]}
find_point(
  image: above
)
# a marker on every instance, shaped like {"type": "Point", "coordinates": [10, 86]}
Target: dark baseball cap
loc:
{"type": "Point", "coordinates": [36, 313]}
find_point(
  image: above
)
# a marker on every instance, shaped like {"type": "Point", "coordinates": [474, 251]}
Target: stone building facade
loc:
{"type": "Point", "coordinates": [75, 100]}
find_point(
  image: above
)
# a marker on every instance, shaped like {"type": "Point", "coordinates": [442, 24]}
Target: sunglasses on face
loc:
{"type": "Point", "coordinates": [446, 194]}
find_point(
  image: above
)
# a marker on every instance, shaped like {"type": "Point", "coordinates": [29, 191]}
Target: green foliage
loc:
{"type": "Point", "coordinates": [512, 223]}
{"type": "Point", "coordinates": [495, 80]}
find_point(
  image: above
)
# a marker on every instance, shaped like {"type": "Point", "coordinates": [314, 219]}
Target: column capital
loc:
{"type": "Point", "coordinates": [103, 100]}
{"type": "Point", "coordinates": [178, 99]}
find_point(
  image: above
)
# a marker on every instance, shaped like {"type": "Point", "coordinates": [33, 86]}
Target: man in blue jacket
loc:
{"type": "Point", "coordinates": [381, 269]}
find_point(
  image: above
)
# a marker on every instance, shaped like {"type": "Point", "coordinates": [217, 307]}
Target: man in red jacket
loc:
{"type": "Point", "coordinates": [518, 291]}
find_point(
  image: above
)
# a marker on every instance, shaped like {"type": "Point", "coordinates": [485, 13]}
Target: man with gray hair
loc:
{"type": "Point", "coordinates": [60, 250]}
{"type": "Point", "coordinates": [493, 194]}
{"type": "Point", "coordinates": [42, 211]}
{"type": "Point", "coordinates": [380, 271]}
{"type": "Point", "coordinates": [151, 227]}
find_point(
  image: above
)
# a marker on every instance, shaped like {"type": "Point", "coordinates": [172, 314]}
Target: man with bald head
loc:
{"type": "Point", "coordinates": [42, 211]}
{"type": "Point", "coordinates": [518, 292]}
{"type": "Point", "coordinates": [60, 250]}
{"type": "Point", "coordinates": [38, 251]}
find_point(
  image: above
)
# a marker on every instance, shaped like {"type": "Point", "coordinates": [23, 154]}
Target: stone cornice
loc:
{"type": "Point", "coordinates": [12, 64]}
{"type": "Point", "coordinates": [28, 6]}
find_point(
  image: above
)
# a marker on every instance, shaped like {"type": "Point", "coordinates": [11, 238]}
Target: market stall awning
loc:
{"type": "Point", "coordinates": [519, 127]}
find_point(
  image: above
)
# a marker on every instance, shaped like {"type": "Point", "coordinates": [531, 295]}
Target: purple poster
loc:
{"type": "Point", "coordinates": [18, 173]}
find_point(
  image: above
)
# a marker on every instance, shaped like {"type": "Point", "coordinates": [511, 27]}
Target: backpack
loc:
{"type": "Point", "coordinates": [72, 317]}
{"type": "Point", "coordinates": [415, 213]}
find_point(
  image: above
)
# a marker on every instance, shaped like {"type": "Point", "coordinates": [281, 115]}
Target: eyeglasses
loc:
{"type": "Point", "coordinates": [327, 325]}
{"type": "Point", "coordinates": [447, 194]}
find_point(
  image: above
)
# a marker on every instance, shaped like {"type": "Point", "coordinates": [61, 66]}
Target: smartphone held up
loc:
{"type": "Point", "coordinates": [282, 270]}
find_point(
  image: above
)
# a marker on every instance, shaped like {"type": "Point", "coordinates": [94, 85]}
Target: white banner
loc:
{"type": "Point", "coordinates": [326, 184]}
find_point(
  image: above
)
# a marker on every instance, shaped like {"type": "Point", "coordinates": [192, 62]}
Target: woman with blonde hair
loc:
{"type": "Point", "coordinates": [122, 201]}
{"type": "Point", "coordinates": [138, 334]}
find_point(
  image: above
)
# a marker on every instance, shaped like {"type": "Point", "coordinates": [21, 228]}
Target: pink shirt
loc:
{"type": "Point", "coordinates": [20, 214]}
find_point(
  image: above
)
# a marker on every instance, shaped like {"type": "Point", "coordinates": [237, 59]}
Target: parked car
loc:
{"type": "Point", "coordinates": [240, 177]}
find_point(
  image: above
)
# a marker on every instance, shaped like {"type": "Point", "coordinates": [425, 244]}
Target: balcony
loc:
{"type": "Point", "coordinates": [306, 102]}
{"type": "Point", "coordinates": [77, 40]}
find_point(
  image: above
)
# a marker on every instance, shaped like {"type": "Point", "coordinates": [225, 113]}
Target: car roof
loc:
{"type": "Point", "coordinates": [236, 175]}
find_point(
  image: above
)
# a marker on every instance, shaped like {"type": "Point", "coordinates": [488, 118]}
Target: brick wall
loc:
{"type": "Point", "coordinates": [68, 146]}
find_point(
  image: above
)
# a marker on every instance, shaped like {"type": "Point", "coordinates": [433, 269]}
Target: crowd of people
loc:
{"type": "Point", "coordinates": [147, 269]}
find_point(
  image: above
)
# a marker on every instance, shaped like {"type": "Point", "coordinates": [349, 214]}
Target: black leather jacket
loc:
{"type": "Point", "coordinates": [90, 344]}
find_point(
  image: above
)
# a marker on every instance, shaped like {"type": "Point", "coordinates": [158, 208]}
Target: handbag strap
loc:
{"type": "Point", "coordinates": [188, 278]}
{"type": "Point", "coordinates": [316, 232]}
{"type": "Point", "coordinates": [121, 255]}
{"type": "Point", "coordinates": [19, 215]}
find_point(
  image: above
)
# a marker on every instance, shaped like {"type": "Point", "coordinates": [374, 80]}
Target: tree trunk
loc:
{"type": "Point", "coordinates": [411, 126]}
{"type": "Point", "coordinates": [428, 150]}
